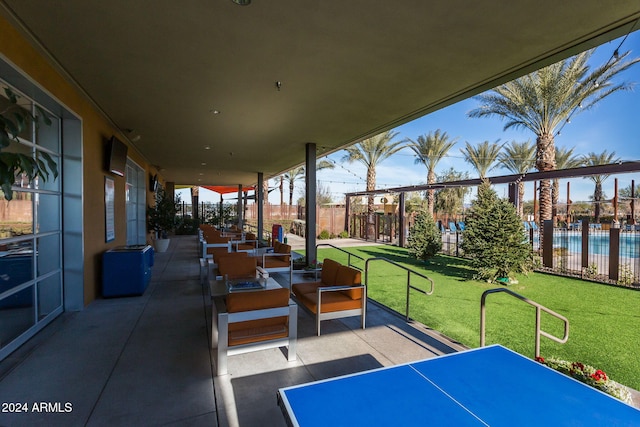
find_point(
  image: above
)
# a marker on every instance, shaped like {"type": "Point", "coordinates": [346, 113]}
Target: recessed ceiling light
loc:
{"type": "Point", "coordinates": [207, 147]}
{"type": "Point", "coordinates": [214, 111]}
{"type": "Point", "coordinates": [200, 174]}
{"type": "Point", "coordinates": [203, 164]}
{"type": "Point", "coordinates": [242, 2]}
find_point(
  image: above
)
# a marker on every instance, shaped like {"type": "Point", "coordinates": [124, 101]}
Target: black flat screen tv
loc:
{"type": "Point", "coordinates": [116, 156]}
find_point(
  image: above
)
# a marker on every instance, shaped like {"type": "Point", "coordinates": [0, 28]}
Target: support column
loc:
{"type": "Point", "coordinates": [310, 205]}
{"type": "Point", "coordinates": [260, 205]}
{"type": "Point", "coordinates": [239, 207]}
{"type": "Point", "coordinates": [514, 190]}
{"type": "Point", "coordinates": [401, 221]}
{"type": "Point", "coordinates": [547, 243]}
{"type": "Point", "coordinates": [347, 214]}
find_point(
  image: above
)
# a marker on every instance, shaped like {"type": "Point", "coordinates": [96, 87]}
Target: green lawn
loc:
{"type": "Point", "coordinates": [604, 320]}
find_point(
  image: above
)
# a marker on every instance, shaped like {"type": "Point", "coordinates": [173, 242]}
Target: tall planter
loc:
{"type": "Point", "coordinates": [161, 245]}
{"type": "Point", "coordinates": [162, 218]}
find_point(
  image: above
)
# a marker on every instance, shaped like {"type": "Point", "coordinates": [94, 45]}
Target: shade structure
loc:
{"type": "Point", "coordinates": [226, 189]}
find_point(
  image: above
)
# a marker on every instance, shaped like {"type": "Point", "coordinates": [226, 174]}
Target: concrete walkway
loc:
{"type": "Point", "coordinates": [146, 360]}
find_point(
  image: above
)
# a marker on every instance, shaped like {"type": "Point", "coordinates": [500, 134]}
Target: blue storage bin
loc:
{"type": "Point", "coordinates": [126, 270]}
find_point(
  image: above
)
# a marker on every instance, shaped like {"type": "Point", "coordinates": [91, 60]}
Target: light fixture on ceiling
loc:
{"type": "Point", "coordinates": [214, 111]}
{"type": "Point", "coordinates": [242, 2]}
{"type": "Point", "coordinates": [278, 85]}
{"type": "Point", "coordinates": [133, 135]}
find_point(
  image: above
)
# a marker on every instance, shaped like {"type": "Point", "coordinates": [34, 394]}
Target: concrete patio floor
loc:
{"type": "Point", "coordinates": [146, 360]}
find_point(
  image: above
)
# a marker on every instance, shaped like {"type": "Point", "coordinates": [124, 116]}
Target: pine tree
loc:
{"type": "Point", "coordinates": [494, 237]}
{"type": "Point", "coordinates": [424, 239]}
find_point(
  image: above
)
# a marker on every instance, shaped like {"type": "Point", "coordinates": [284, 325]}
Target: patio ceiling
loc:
{"type": "Point", "coordinates": [348, 69]}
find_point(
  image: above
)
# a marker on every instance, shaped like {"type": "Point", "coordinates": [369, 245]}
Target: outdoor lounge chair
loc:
{"type": "Point", "coordinates": [248, 244]}
{"type": "Point", "coordinates": [339, 293]}
{"type": "Point", "coordinates": [237, 265]}
{"type": "Point", "coordinates": [252, 321]}
{"type": "Point", "coordinates": [278, 261]}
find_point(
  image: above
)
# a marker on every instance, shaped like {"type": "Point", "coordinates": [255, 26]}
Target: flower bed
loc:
{"type": "Point", "coordinates": [589, 375]}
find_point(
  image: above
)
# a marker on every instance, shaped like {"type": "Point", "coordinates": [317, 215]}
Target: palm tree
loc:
{"type": "Point", "coordinates": [481, 157]}
{"type": "Point", "coordinates": [451, 200]}
{"type": "Point", "coordinates": [292, 176]}
{"type": "Point", "coordinates": [564, 160]}
{"type": "Point", "coordinates": [429, 150]}
{"type": "Point", "coordinates": [593, 159]}
{"type": "Point", "coordinates": [298, 173]}
{"type": "Point", "coordinates": [519, 158]}
{"type": "Point", "coordinates": [371, 152]}
{"type": "Point", "coordinates": [545, 99]}
{"type": "Point", "coordinates": [195, 192]}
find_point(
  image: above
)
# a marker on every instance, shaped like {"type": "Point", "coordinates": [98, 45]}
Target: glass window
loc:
{"type": "Point", "coordinates": [17, 314]}
{"type": "Point", "coordinates": [16, 265]}
{"type": "Point", "coordinates": [16, 217]}
{"type": "Point", "coordinates": [48, 135]}
{"type": "Point", "coordinates": [51, 183]}
{"type": "Point", "coordinates": [47, 258]}
{"type": "Point", "coordinates": [49, 295]}
{"type": "Point", "coordinates": [48, 211]}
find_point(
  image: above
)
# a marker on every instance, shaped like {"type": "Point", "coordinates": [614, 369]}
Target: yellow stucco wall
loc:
{"type": "Point", "coordinates": [95, 130]}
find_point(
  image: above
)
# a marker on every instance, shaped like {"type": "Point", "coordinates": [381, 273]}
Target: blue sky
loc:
{"type": "Point", "coordinates": [612, 125]}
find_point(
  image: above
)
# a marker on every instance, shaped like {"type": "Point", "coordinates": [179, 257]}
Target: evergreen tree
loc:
{"type": "Point", "coordinates": [494, 237]}
{"type": "Point", "coordinates": [424, 239]}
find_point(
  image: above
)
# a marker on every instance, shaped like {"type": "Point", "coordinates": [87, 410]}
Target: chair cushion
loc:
{"type": "Point", "coordinates": [331, 301]}
{"type": "Point", "coordinates": [329, 272]}
{"type": "Point", "coordinates": [237, 266]}
{"type": "Point", "coordinates": [262, 329]}
{"type": "Point", "coordinates": [248, 335]}
{"type": "Point", "coordinates": [299, 289]}
{"type": "Point", "coordinates": [275, 262]}
{"type": "Point", "coordinates": [257, 300]}
{"type": "Point", "coordinates": [348, 276]}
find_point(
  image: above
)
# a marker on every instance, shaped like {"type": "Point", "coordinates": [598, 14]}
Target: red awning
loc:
{"type": "Point", "coordinates": [226, 189]}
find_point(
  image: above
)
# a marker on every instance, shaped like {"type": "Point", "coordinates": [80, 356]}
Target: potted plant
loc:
{"type": "Point", "coordinates": [162, 218]}
{"type": "Point", "coordinates": [13, 121]}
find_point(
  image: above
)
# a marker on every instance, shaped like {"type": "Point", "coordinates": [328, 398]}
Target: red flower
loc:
{"type": "Point", "coordinates": [540, 359]}
{"type": "Point", "coordinates": [599, 375]}
{"type": "Point", "coordinates": [577, 365]}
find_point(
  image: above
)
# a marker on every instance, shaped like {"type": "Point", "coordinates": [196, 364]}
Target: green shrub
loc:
{"type": "Point", "coordinates": [187, 226]}
{"type": "Point", "coordinates": [344, 234]}
{"type": "Point", "coordinates": [493, 238]}
{"type": "Point", "coordinates": [424, 239]}
{"type": "Point", "coordinates": [324, 235]}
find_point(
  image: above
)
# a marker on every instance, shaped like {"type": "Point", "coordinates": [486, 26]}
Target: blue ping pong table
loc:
{"type": "Point", "coordinates": [489, 386]}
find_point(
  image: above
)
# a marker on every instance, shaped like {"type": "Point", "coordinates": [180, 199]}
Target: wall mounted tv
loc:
{"type": "Point", "coordinates": [116, 156]}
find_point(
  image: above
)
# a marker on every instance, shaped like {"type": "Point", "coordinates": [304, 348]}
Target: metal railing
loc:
{"type": "Point", "coordinates": [349, 254]}
{"type": "Point", "coordinates": [409, 286]}
{"type": "Point", "coordinates": [539, 309]}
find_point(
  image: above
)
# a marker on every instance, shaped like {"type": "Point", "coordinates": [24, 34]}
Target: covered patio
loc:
{"type": "Point", "coordinates": [146, 360]}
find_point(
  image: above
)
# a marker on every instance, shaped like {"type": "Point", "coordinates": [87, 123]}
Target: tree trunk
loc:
{"type": "Point", "coordinates": [521, 199]}
{"type": "Point", "coordinates": [371, 185]}
{"type": "Point", "coordinates": [431, 194]}
{"type": "Point", "coordinates": [555, 196]}
{"type": "Point", "coordinates": [545, 161]}
{"type": "Point", "coordinates": [597, 200]}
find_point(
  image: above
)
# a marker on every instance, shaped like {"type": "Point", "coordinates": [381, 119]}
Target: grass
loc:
{"type": "Point", "coordinates": [604, 320]}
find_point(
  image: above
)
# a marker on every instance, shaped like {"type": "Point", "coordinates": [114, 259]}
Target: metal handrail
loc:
{"type": "Point", "coordinates": [342, 250]}
{"type": "Point", "coordinates": [409, 286]}
{"type": "Point", "coordinates": [538, 307]}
